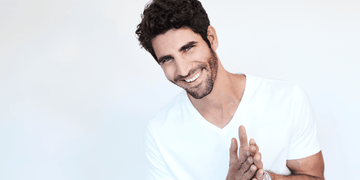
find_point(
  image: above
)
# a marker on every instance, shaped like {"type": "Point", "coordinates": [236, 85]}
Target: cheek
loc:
{"type": "Point", "coordinates": [169, 73]}
{"type": "Point", "coordinates": [201, 54]}
{"type": "Point", "coordinates": [168, 76]}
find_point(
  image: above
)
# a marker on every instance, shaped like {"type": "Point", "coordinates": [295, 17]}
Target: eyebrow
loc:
{"type": "Point", "coordinates": [189, 44]}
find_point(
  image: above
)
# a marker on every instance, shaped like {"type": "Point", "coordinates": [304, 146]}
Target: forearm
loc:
{"type": "Point", "coordinates": [294, 177]}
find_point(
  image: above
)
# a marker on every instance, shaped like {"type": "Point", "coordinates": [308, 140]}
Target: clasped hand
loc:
{"type": "Point", "coordinates": [248, 164]}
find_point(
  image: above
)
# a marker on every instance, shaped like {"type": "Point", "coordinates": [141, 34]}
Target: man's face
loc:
{"type": "Point", "coordinates": [187, 61]}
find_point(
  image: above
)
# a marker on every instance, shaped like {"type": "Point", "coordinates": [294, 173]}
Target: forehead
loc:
{"type": "Point", "coordinates": [173, 40]}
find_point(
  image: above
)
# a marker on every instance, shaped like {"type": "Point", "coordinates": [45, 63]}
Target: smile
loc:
{"type": "Point", "coordinates": [193, 78]}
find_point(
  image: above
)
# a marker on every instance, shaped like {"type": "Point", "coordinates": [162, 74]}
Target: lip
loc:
{"type": "Point", "coordinates": [193, 78]}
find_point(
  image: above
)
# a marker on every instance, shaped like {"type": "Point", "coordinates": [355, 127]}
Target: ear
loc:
{"type": "Point", "coordinates": [212, 37]}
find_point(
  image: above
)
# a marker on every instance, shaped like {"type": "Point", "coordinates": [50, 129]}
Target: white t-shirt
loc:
{"type": "Point", "coordinates": [181, 144]}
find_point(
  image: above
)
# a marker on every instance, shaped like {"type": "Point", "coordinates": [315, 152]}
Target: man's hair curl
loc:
{"type": "Point", "coordinates": [162, 15]}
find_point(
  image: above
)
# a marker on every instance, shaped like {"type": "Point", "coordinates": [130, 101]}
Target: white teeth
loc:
{"type": "Point", "coordinates": [194, 78]}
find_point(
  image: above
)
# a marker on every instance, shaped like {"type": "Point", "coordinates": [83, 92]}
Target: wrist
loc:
{"type": "Point", "coordinates": [267, 176]}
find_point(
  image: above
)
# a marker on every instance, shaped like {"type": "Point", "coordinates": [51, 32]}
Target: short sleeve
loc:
{"type": "Point", "coordinates": [157, 168]}
{"type": "Point", "coordinates": [303, 142]}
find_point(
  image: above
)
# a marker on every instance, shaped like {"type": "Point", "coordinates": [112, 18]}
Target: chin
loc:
{"type": "Point", "coordinates": [201, 93]}
{"type": "Point", "coordinates": [198, 96]}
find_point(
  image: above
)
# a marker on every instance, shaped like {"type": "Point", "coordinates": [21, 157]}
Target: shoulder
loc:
{"type": "Point", "coordinates": [260, 86]}
{"type": "Point", "coordinates": [168, 123]}
{"type": "Point", "coordinates": [170, 111]}
{"type": "Point", "coordinates": [262, 82]}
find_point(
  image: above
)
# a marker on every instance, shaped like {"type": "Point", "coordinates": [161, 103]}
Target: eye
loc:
{"type": "Point", "coordinates": [188, 48]}
{"type": "Point", "coordinates": [165, 59]}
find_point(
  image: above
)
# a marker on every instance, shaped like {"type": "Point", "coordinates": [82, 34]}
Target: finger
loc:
{"type": "Point", "coordinates": [244, 147]}
{"type": "Point", "coordinates": [252, 142]}
{"type": "Point", "coordinates": [250, 173]}
{"type": "Point", "coordinates": [254, 179]}
{"type": "Point", "coordinates": [257, 160]}
{"type": "Point", "coordinates": [246, 165]}
{"type": "Point", "coordinates": [243, 137]}
{"type": "Point", "coordinates": [233, 151]}
{"type": "Point", "coordinates": [257, 147]}
{"type": "Point", "coordinates": [253, 147]}
{"type": "Point", "coordinates": [252, 150]}
{"type": "Point", "coordinates": [260, 174]}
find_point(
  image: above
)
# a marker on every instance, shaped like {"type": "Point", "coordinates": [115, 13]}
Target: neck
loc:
{"type": "Point", "coordinates": [219, 106]}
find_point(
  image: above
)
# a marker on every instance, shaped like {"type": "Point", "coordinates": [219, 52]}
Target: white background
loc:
{"type": "Point", "coordinates": [76, 90]}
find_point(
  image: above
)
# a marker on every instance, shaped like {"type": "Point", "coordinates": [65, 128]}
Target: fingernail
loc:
{"type": "Point", "coordinates": [253, 168]}
{"type": "Point", "coordinates": [247, 153]}
{"type": "Point", "coordinates": [249, 160]}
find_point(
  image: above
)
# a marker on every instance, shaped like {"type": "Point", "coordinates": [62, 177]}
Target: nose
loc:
{"type": "Point", "coordinates": [183, 67]}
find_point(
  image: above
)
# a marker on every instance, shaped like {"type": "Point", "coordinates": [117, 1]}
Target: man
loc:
{"type": "Point", "coordinates": [190, 137]}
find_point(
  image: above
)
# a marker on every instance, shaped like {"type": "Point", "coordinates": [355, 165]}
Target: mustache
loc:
{"type": "Point", "coordinates": [191, 72]}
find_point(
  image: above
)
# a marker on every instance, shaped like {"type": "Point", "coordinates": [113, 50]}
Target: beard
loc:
{"type": "Point", "coordinates": [205, 87]}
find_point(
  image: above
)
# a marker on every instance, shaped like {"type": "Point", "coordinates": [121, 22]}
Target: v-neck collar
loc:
{"type": "Point", "coordinates": [235, 119]}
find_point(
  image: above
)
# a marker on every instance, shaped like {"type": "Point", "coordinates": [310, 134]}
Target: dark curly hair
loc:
{"type": "Point", "coordinates": [162, 15]}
